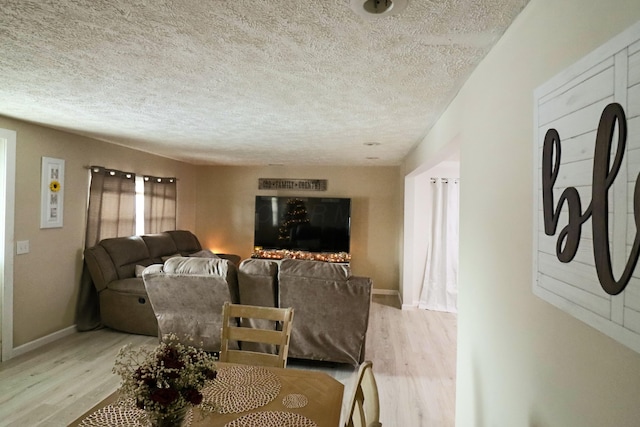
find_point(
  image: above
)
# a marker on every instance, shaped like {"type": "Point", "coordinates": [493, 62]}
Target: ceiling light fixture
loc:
{"type": "Point", "coordinates": [373, 9]}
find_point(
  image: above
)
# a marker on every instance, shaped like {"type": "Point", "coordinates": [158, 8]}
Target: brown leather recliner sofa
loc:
{"type": "Point", "coordinates": [116, 266]}
{"type": "Point", "coordinates": [331, 306]}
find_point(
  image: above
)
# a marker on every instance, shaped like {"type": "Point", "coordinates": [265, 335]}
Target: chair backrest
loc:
{"type": "Point", "coordinates": [364, 410]}
{"type": "Point", "coordinates": [237, 327]}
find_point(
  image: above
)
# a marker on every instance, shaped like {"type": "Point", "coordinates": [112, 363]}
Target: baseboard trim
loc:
{"type": "Point", "coordinates": [385, 292]}
{"type": "Point", "coordinates": [413, 306]}
{"type": "Point", "coordinates": [35, 344]}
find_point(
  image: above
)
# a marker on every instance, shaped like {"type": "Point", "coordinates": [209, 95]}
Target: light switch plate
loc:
{"type": "Point", "coordinates": [22, 247]}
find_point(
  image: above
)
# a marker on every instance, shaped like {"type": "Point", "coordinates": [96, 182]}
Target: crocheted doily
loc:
{"type": "Point", "coordinates": [124, 414]}
{"type": "Point", "coordinates": [272, 419]}
{"type": "Point", "coordinates": [241, 388]}
{"type": "Point", "coordinates": [295, 400]}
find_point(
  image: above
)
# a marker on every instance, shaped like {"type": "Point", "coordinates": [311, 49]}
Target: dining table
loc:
{"type": "Point", "coordinates": [241, 396]}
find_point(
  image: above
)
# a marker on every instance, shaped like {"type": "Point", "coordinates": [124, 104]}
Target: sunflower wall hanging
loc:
{"type": "Point", "coordinates": [52, 193]}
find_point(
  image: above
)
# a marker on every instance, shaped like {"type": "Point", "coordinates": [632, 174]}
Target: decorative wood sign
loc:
{"type": "Point", "coordinates": [52, 193]}
{"type": "Point", "coordinates": [587, 189]}
{"type": "Point", "coordinates": [292, 184]}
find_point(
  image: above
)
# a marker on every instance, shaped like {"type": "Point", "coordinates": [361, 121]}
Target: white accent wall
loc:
{"type": "Point", "coordinates": [522, 361]}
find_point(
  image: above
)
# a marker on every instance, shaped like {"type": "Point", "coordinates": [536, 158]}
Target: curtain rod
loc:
{"type": "Point", "coordinates": [133, 173]}
{"type": "Point", "coordinates": [445, 180]}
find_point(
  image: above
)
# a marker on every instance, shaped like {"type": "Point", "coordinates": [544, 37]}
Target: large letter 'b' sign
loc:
{"type": "Point", "coordinates": [604, 174]}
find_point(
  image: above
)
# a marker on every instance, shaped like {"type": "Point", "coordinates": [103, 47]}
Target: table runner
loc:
{"type": "Point", "coordinates": [124, 413]}
{"type": "Point", "coordinates": [236, 389]}
{"type": "Point", "coordinates": [241, 388]}
{"type": "Point", "coordinates": [272, 419]}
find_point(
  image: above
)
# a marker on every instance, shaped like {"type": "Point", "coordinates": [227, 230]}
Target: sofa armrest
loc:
{"type": "Point", "coordinates": [257, 282]}
{"type": "Point", "coordinates": [100, 267]}
{"type": "Point", "coordinates": [235, 259]}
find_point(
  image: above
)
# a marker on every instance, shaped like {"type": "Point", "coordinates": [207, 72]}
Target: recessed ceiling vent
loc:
{"type": "Point", "coordinates": [374, 9]}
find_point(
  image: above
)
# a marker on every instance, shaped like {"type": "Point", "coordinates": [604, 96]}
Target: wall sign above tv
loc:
{"type": "Point", "coordinates": [292, 184]}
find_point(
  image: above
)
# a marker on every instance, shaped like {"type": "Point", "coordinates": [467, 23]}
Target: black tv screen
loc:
{"type": "Point", "coordinates": [314, 224]}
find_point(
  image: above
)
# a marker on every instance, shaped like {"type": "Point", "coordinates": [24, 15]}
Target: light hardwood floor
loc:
{"type": "Point", "coordinates": [413, 354]}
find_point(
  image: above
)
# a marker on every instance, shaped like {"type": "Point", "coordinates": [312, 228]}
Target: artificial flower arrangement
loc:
{"type": "Point", "coordinates": [166, 379]}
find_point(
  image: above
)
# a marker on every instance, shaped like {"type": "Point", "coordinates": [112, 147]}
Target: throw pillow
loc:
{"type": "Point", "coordinates": [206, 253]}
{"type": "Point", "coordinates": [139, 270]}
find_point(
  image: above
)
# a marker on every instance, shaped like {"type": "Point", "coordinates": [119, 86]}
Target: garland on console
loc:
{"type": "Point", "coordinates": [309, 256]}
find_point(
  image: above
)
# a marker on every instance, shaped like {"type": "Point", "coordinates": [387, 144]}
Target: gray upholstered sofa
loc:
{"type": "Point", "coordinates": [116, 266]}
{"type": "Point", "coordinates": [187, 295]}
{"type": "Point", "coordinates": [331, 306]}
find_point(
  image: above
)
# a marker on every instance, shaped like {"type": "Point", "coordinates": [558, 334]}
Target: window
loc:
{"type": "Point", "coordinates": [123, 204]}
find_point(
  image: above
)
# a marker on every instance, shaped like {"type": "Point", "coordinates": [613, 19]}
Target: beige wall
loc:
{"type": "Point", "coordinates": [225, 214]}
{"type": "Point", "coordinates": [521, 361]}
{"type": "Point", "coordinates": [46, 280]}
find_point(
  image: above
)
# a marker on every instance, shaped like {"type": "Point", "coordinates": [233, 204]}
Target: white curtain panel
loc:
{"type": "Point", "coordinates": [440, 284]}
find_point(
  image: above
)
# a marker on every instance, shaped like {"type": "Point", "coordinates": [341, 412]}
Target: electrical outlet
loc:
{"type": "Point", "coordinates": [22, 247]}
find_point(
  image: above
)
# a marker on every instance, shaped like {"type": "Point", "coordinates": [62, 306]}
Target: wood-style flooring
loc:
{"type": "Point", "coordinates": [413, 354]}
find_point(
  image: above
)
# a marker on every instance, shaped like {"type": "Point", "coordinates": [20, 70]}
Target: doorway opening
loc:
{"type": "Point", "coordinates": [7, 209]}
{"type": "Point", "coordinates": [417, 214]}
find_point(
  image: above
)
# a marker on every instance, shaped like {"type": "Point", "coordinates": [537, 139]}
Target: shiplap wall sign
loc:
{"type": "Point", "coordinates": [587, 189]}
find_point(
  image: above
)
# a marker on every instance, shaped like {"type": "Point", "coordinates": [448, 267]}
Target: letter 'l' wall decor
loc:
{"type": "Point", "coordinates": [586, 204]}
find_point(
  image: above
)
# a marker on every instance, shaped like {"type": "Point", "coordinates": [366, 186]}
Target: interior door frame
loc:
{"type": "Point", "coordinates": [7, 217]}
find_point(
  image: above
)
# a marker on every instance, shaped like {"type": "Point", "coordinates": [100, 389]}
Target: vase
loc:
{"type": "Point", "coordinates": [170, 419]}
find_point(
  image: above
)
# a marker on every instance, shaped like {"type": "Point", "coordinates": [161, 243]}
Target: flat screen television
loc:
{"type": "Point", "coordinates": [314, 224]}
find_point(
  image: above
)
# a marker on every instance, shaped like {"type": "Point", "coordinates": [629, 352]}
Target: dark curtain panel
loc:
{"type": "Point", "coordinates": [112, 205]}
{"type": "Point", "coordinates": [111, 213]}
{"type": "Point", "coordinates": [159, 204]}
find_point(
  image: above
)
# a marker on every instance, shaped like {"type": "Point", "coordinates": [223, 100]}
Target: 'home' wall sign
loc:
{"type": "Point", "coordinates": [587, 189]}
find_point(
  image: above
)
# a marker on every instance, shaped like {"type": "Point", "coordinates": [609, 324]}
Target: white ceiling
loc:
{"type": "Point", "coordinates": [243, 82]}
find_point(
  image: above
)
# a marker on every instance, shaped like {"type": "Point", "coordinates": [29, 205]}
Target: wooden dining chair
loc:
{"type": "Point", "coordinates": [241, 324]}
{"type": "Point", "coordinates": [364, 410]}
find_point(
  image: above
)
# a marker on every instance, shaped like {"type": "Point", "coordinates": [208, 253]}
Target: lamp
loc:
{"type": "Point", "coordinates": [373, 9]}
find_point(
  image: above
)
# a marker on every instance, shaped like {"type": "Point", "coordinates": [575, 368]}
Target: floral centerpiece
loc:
{"type": "Point", "coordinates": [166, 380]}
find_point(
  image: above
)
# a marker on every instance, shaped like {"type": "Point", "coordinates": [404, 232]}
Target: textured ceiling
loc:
{"type": "Point", "coordinates": [243, 82]}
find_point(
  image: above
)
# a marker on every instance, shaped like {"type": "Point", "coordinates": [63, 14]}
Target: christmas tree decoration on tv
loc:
{"type": "Point", "coordinates": [295, 215]}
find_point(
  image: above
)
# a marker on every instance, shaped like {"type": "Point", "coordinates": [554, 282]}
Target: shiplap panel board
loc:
{"type": "Point", "coordinates": [586, 300]}
{"type": "Point", "coordinates": [587, 92]}
{"type": "Point", "coordinates": [572, 103]}
{"type": "Point", "coordinates": [634, 68]}
{"type": "Point", "coordinates": [632, 294]}
{"type": "Point", "coordinates": [549, 97]}
{"type": "Point", "coordinates": [633, 107]}
{"type": "Point", "coordinates": [579, 147]}
{"type": "Point", "coordinates": [633, 137]}
{"type": "Point", "coordinates": [568, 273]}
{"type": "Point", "coordinates": [632, 320]}
{"type": "Point", "coordinates": [547, 246]}
{"type": "Point", "coordinates": [579, 122]}
{"type": "Point", "coordinates": [575, 174]}
{"type": "Point", "coordinates": [585, 194]}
